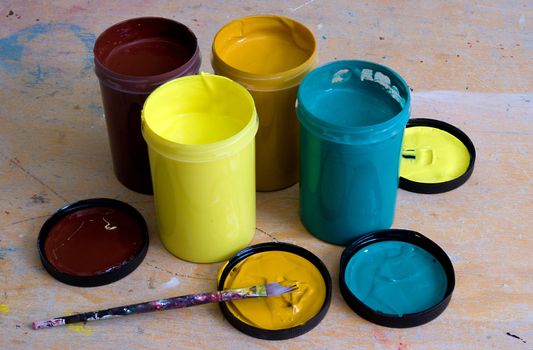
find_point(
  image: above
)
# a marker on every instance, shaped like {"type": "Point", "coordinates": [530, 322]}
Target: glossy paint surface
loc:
{"type": "Point", "coordinates": [395, 277]}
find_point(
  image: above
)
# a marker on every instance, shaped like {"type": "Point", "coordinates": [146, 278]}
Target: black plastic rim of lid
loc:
{"type": "Point", "coordinates": [389, 320]}
{"type": "Point", "coordinates": [106, 277]}
{"type": "Point", "coordinates": [440, 187]}
{"type": "Point", "coordinates": [279, 334]}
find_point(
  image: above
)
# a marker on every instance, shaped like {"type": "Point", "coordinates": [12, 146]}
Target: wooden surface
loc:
{"type": "Point", "coordinates": [468, 63]}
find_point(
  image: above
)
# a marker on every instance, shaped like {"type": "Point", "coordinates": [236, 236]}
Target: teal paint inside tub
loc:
{"type": "Point", "coordinates": [358, 104]}
{"type": "Point", "coordinates": [395, 277]}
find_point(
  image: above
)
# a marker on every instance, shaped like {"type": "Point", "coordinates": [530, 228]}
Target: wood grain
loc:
{"type": "Point", "coordinates": [468, 63]}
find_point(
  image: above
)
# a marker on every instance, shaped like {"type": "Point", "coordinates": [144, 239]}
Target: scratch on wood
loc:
{"type": "Point", "coordinates": [37, 179]}
{"type": "Point", "coordinates": [268, 234]}
{"type": "Point", "coordinates": [29, 219]}
{"type": "Point", "coordinates": [179, 274]}
{"type": "Point", "coordinates": [302, 5]}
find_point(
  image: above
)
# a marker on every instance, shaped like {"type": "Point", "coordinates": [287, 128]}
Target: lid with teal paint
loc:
{"type": "Point", "coordinates": [436, 157]}
{"type": "Point", "coordinates": [396, 278]}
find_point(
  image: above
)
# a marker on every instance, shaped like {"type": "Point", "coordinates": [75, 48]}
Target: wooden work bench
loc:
{"type": "Point", "coordinates": [467, 63]}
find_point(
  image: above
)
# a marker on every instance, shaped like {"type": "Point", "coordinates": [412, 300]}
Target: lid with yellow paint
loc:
{"type": "Point", "coordinates": [276, 317]}
{"type": "Point", "coordinates": [436, 157]}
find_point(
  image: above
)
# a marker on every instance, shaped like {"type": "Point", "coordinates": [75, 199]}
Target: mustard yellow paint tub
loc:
{"type": "Point", "coordinates": [269, 55]}
{"type": "Point", "coordinates": [200, 133]}
{"type": "Point", "coordinates": [277, 317]}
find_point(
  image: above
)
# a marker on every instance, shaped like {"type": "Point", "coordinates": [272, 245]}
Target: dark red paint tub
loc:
{"type": "Point", "coordinates": [131, 59]}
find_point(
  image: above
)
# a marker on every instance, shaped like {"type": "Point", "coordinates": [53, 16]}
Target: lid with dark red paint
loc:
{"type": "Point", "coordinates": [93, 242]}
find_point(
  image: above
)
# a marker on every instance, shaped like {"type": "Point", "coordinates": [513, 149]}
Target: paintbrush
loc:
{"type": "Point", "coordinates": [264, 290]}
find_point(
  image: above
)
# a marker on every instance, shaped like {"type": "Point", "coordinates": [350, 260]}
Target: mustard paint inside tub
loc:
{"type": "Point", "coordinates": [284, 311]}
{"type": "Point", "coordinates": [264, 44]}
{"type": "Point", "coordinates": [432, 155]}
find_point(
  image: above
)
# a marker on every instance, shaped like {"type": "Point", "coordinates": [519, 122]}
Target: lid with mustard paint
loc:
{"type": "Point", "coordinates": [436, 157]}
{"type": "Point", "coordinates": [277, 317]}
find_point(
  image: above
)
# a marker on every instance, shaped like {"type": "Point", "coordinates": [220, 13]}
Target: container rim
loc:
{"type": "Point", "coordinates": [322, 127]}
{"type": "Point", "coordinates": [199, 152]}
{"type": "Point", "coordinates": [116, 80]}
{"type": "Point", "coordinates": [265, 82]}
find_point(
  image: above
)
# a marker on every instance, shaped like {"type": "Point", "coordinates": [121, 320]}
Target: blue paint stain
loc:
{"type": "Point", "coordinates": [4, 251]}
{"type": "Point", "coordinates": [12, 48]}
{"type": "Point", "coordinates": [37, 75]}
{"type": "Point", "coordinates": [88, 40]}
{"type": "Point", "coordinates": [96, 109]}
{"type": "Point", "coordinates": [324, 37]}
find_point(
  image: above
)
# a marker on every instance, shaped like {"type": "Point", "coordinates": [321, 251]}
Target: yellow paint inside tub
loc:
{"type": "Point", "coordinates": [198, 110]}
{"type": "Point", "coordinates": [432, 155]}
{"type": "Point", "coordinates": [264, 44]}
{"type": "Point", "coordinates": [284, 311]}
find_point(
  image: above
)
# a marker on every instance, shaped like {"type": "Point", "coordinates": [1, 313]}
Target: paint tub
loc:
{"type": "Point", "coordinates": [131, 59]}
{"type": "Point", "coordinates": [269, 55]}
{"type": "Point", "coordinates": [352, 115]}
{"type": "Point", "coordinates": [200, 133]}
{"type": "Point", "coordinates": [277, 317]}
{"type": "Point", "coordinates": [396, 278]}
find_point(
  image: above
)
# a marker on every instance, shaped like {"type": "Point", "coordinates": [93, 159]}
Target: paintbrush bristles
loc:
{"type": "Point", "coordinates": [275, 289]}
{"type": "Point", "coordinates": [262, 290]}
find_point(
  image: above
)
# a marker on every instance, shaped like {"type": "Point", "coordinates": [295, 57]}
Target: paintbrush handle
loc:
{"type": "Point", "coordinates": [155, 305]}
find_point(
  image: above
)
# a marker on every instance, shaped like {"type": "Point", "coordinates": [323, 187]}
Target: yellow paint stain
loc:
{"type": "Point", "coordinates": [4, 309]}
{"type": "Point", "coordinates": [81, 328]}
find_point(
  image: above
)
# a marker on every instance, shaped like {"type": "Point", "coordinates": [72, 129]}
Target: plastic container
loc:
{"type": "Point", "coordinates": [352, 115]}
{"type": "Point", "coordinates": [131, 59]}
{"type": "Point", "coordinates": [200, 133]}
{"type": "Point", "coordinates": [280, 317]}
{"type": "Point", "coordinates": [269, 55]}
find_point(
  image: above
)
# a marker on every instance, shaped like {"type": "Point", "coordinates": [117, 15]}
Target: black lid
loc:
{"type": "Point", "coordinates": [279, 334]}
{"type": "Point", "coordinates": [398, 275]}
{"type": "Point", "coordinates": [423, 152]}
{"type": "Point", "coordinates": [93, 242]}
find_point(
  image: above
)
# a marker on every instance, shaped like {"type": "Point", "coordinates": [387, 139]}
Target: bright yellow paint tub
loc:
{"type": "Point", "coordinates": [269, 55]}
{"type": "Point", "coordinates": [200, 133]}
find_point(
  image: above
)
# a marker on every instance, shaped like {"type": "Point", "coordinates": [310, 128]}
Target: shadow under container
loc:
{"type": "Point", "coordinates": [269, 55]}
{"type": "Point", "coordinates": [200, 133]}
{"type": "Point", "coordinates": [353, 115]}
{"type": "Point", "coordinates": [131, 59]}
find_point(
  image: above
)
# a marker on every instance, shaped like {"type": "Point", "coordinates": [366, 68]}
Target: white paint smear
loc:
{"type": "Point", "coordinates": [522, 22]}
{"type": "Point", "coordinates": [173, 282]}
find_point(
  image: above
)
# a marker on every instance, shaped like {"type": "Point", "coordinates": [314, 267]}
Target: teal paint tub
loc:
{"type": "Point", "coordinates": [353, 115]}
